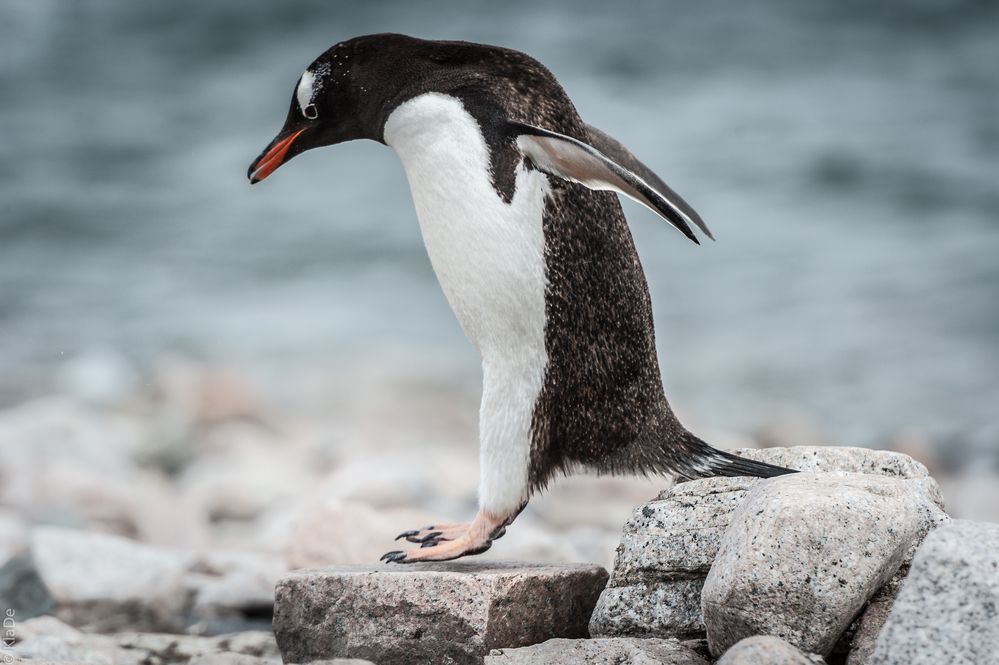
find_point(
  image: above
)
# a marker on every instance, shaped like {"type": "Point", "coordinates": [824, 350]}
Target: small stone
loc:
{"type": "Point", "coordinates": [947, 610]}
{"type": "Point", "coordinates": [766, 650]}
{"type": "Point", "coordinates": [105, 583]}
{"type": "Point", "coordinates": [17, 660]}
{"type": "Point", "coordinates": [805, 552]}
{"type": "Point", "coordinates": [233, 591]}
{"type": "Point", "coordinates": [47, 638]}
{"type": "Point", "coordinates": [257, 644]}
{"type": "Point", "coordinates": [437, 613]}
{"type": "Point", "coordinates": [599, 652]}
{"type": "Point", "coordinates": [669, 607]}
{"type": "Point", "coordinates": [22, 590]}
{"type": "Point", "coordinates": [665, 552]}
{"type": "Point", "coordinates": [101, 377]}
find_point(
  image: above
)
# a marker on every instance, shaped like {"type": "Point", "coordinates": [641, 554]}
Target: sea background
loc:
{"type": "Point", "coordinates": [846, 156]}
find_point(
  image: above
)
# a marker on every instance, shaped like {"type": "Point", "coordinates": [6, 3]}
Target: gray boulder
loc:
{"type": "Point", "coordinates": [805, 552]}
{"type": "Point", "coordinates": [438, 613]}
{"type": "Point", "coordinates": [105, 583]}
{"type": "Point", "coordinates": [599, 651]}
{"type": "Point", "coordinates": [947, 610]}
{"type": "Point", "coordinates": [665, 553]}
{"type": "Point", "coordinates": [668, 545]}
{"type": "Point", "coordinates": [766, 650]}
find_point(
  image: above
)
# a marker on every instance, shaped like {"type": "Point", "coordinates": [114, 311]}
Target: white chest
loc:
{"type": "Point", "coordinates": [489, 259]}
{"type": "Point", "coordinates": [488, 254]}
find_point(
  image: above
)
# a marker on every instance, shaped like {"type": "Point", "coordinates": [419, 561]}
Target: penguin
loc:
{"type": "Point", "coordinates": [516, 199]}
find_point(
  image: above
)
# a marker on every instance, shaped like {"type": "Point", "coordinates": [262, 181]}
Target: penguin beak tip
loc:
{"type": "Point", "coordinates": [273, 157]}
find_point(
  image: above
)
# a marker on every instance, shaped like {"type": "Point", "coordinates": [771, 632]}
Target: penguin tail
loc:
{"type": "Point", "coordinates": [702, 461]}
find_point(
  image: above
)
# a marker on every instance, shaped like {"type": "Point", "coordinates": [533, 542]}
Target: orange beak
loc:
{"type": "Point", "coordinates": [268, 162]}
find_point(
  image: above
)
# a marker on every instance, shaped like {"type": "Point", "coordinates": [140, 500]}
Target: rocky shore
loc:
{"type": "Point", "coordinates": [175, 519]}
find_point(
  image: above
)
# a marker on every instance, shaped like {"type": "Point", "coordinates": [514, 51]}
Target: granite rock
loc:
{"type": "Point", "coordinates": [766, 650]}
{"type": "Point", "coordinates": [947, 610]}
{"type": "Point", "coordinates": [668, 544]}
{"type": "Point", "coordinates": [600, 651]}
{"type": "Point", "coordinates": [859, 640]}
{"type": "Point", "coordinates": [805, 552]}
{"type": "Point", "coordinates": [829, 459]}
{"type": "Point", "coordinates": [451, 613]}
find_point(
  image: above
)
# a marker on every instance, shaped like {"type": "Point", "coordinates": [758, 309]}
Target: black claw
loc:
{"type": "Point", "coordinates": [430, 543]}
{"type": "Point", "coordinates": [433, 535]}
{"type": "Point", "coordinates": [408, 534]}
{"type": "Point", "coordinates": [395, 556]}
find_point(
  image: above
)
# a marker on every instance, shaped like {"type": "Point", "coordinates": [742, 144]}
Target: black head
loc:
{"type": "Point", "coordinates": [350, 90]}
{"type": "Point", "coordinates": [331, 103]}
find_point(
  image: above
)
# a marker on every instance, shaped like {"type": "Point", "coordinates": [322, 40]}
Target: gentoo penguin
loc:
{"type": "Point", "coordinates": [516, 202]}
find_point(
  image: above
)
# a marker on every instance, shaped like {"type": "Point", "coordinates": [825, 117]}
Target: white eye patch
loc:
{"type": "Point", "coordinates": [305, 93]}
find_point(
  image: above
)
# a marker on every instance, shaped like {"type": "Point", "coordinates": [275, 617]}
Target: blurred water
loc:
{"type": "Point", "coordinates": [845, 154]}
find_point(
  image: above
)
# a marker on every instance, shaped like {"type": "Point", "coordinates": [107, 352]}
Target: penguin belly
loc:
{"type": "Point", "coordinates": [489, 258]}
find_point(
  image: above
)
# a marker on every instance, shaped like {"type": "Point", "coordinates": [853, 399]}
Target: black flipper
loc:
{"type": "Point", "coordinates": [569, 158]}
{"type": "Point", "coordinates": [616, 150]}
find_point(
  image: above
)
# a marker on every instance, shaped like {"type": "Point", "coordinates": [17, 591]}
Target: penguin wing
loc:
{"type": "Point", "coordinates": [605, 164]}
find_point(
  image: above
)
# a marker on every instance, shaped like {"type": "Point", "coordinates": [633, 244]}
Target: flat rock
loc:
{"type": "Point", "coordinates": [450, 613]}
{"type": "Point", "coordinates": [105, 583]}
{"type": "Point", "coordinates": [766, 650]}
{"type": "Point", "coordinates": [947, 610]}
{"type": "Point", "coordinates": [805, 552]}
{"type": "Point", "coordinates": [668, 544]}
{"type": "Point", "coordinates": [600, 651]}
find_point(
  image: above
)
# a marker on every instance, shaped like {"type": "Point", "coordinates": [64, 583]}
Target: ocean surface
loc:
{"type": "Point", "coordinates": [845, 154]}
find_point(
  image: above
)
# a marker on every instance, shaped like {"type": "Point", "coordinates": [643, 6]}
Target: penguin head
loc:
{"type": "Point", "coordinates": [345, 94]}
{"type": "Point", "coordinates": [349, 92]}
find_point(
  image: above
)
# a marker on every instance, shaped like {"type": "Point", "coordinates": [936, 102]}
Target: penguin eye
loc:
{"type": "Point", "coordinates": [310, 112]}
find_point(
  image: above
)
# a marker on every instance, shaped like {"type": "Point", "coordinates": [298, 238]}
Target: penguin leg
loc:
{"type": "Point", "coordinates": [510, 387]}
{"type": "Point", "coordinates": [475, 539]}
